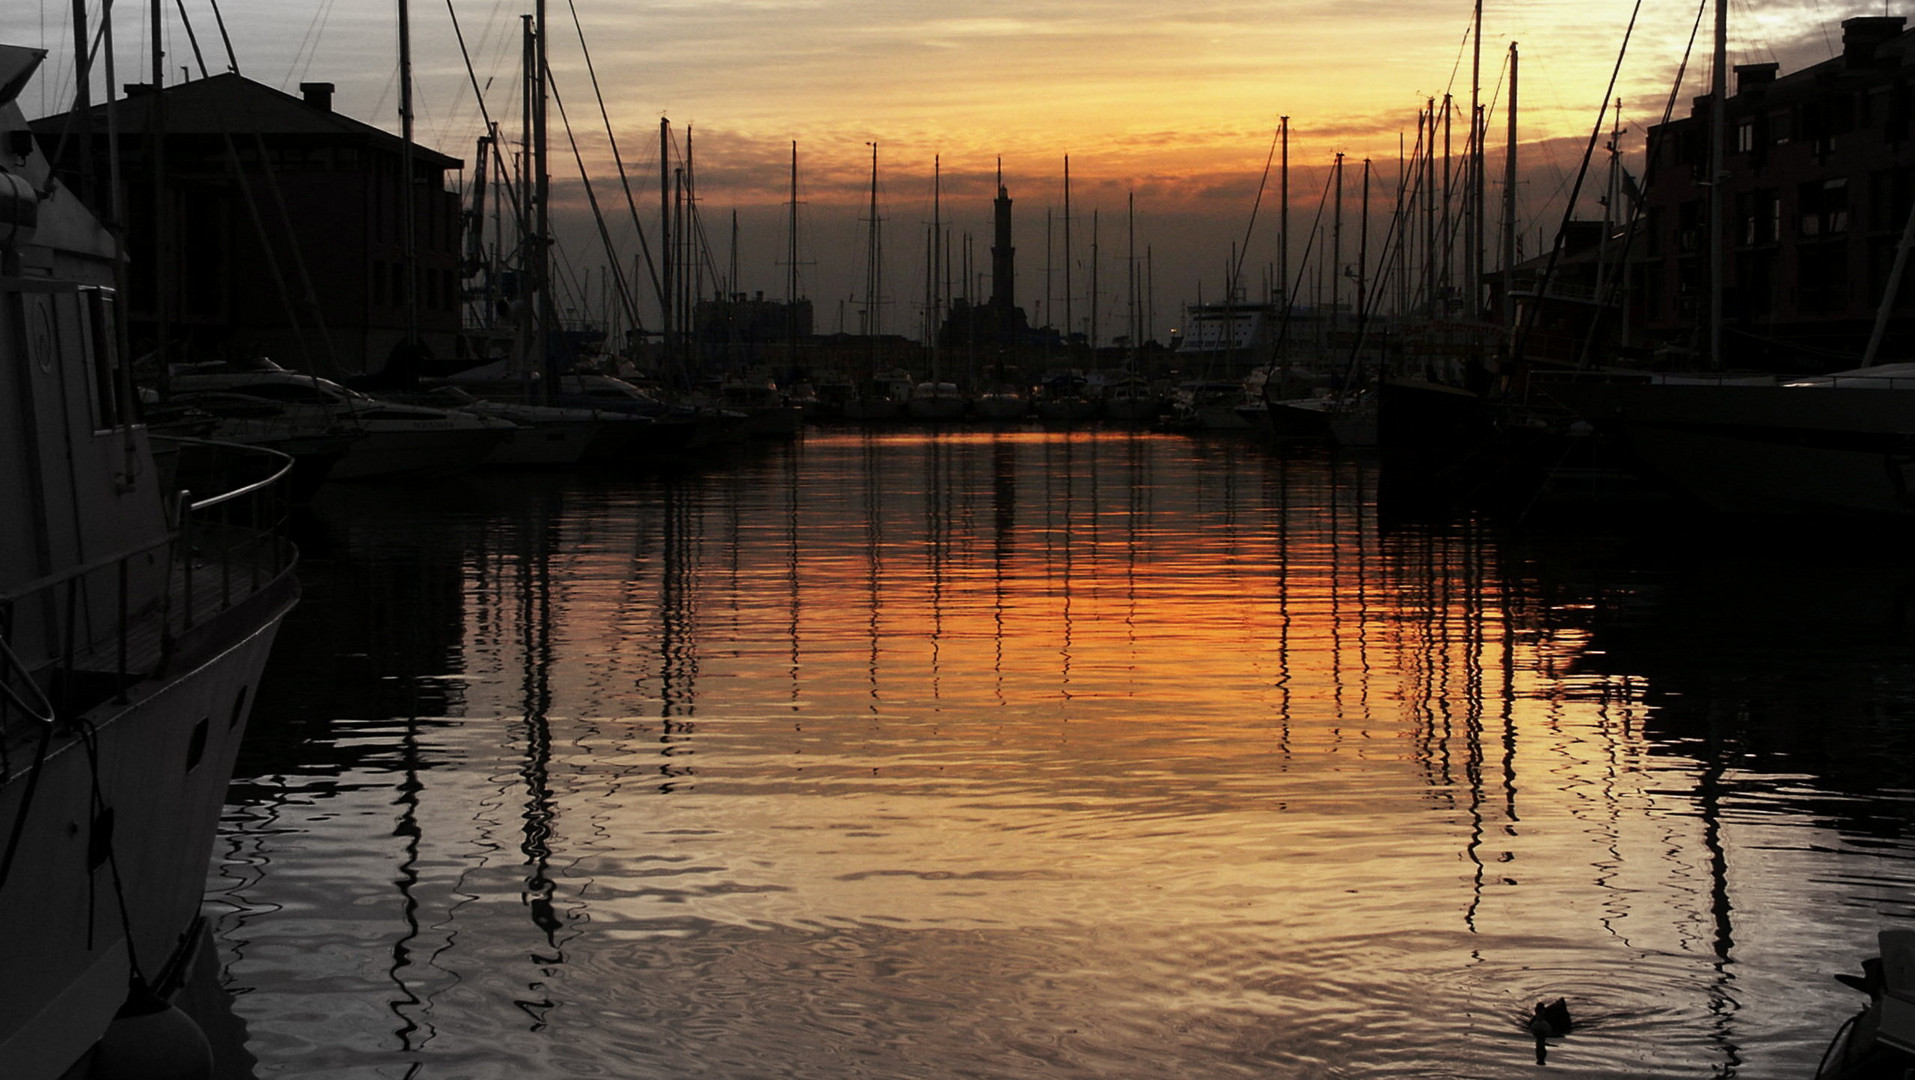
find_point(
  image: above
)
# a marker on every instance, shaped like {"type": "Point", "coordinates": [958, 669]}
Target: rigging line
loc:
{"type": "Point", "coordinates": [232, 58]}
{"type": "Point", "coordinates": [301, 63]}
{"type": "Point", "coordinates": [605, 236]}
{"type": "Point", "coordinates": [631, 203]}
{"type": "Point", "coordinates": [1303, 261]}
{"type": "Point", "coordinates": [89, 740]}
{"type": "Point", "coordinates": [1457, 67]}
{"type": "Point", "coordinates": [1236, 272]}
{"type": "Point", "coordinates": [504, 178]}
{"type": "Point", "coordinates": [191, 37]}
{"type": "Point", "coordinates": [1652, 150]}
{"type": "Point", "coordinates": [1569, 208]}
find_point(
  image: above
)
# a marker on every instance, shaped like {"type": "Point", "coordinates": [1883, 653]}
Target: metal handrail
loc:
{"type": "Point", "coordinates": [259, 547]}
{"type": "Point", "coordinates": [41, 584]}
{"type": "Point", "coordinates": [285, 466]}
{"type": "Point", "coordinates": [45, 713]}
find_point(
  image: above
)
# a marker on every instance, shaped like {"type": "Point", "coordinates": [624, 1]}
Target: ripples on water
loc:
{"type": "Point", "coordinates": [991, 755]}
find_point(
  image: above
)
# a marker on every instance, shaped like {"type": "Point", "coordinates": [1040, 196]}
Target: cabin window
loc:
{"type": "Point", "coordinates": [103, 349]}
{"type": "Point", "coordinates": [196, 745]}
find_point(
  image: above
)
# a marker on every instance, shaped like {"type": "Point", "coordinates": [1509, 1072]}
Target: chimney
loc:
{"type": "Point", "coordinates": [318, 95]}
{"type": "Point", "coordinates": [1750, 76]}
{"type": "Point", "coordinates": [1861, 36]}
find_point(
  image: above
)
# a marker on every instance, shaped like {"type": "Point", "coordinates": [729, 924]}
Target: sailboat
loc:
{"type": "Point", "coordinates": [141, 597]}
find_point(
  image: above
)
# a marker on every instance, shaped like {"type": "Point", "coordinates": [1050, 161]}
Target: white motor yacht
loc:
{"type": "Point", "coordinates": [401, 440]}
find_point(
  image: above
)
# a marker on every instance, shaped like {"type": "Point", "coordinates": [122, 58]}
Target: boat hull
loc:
{"type": "Point", "coordinates": [1765, 449]}
{"type": "Point", "coordinates": [160, 763]}
{"type": "Point", "coordinates": [416, 452]}
{"type": "Point", "coordinates": [546, 444]}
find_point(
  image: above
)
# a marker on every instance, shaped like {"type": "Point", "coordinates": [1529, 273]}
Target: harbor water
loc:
{"type": "Point", "coordinates": [1095, 754]}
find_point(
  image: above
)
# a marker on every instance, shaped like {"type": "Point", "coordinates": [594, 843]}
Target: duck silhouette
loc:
{"type": "Point", "coordinates": [1549, 1021]}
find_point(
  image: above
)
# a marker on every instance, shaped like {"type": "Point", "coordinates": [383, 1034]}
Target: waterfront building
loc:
{"type": "Point", "coordinates": [282, 226]}
{"type": "Point", "coordinates": [1819, 176]}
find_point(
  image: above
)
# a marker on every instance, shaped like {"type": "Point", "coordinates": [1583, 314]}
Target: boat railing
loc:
{"type": "Point", "coordinates": [1855, 381]}
{"type": "Point", "coordinates": [87, 633]}
{"type": "Point", "coordinates": [242, 527]}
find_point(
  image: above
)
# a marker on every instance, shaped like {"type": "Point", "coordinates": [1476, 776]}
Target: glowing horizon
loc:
{"type": "Point", "coordinates": [1177, 106]}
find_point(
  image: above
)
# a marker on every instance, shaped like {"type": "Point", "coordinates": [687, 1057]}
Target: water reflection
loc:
{"type": "Point", "coordinates": [1109, 754]}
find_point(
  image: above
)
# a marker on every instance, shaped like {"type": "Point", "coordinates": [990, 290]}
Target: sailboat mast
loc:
{"type": "Point", "coordinates": [1336, 249]}
{"type": "Point", "coordinates": [1473, 174]}
{"type": "Point", "coordinates": [791, 267]}
{"type": "Point", "coordinates": [1429, 207]}
{"type": "Point", "coordinates": [83, 104]}
{"type": "Point", "coordinates": [162, 255]}
{"type": "Point", "coordinates": [1069, 326]}
{"type": "Point", "coordinates": [409, 223]}
{"type": "Point", "coordinates": [1093, 287]}
{"type": "Point", "coordinates": [542, 197]}
{"type": "Point", "coordinates": [1509, 204]}
{"type": "Point", "coordinates": [666, 294]}
{"type": "Point", "coordinates": [1718, 106]}
{"type": "Point", "coordinates": [525, 289]}
{"type": "Point", "coordinates": [931, 275]}
{"type": "Point", "coordinates": [1283, 217]}
{"type": "Point", "coordinates": [871, 272]}
{"type": "Point", "coordinates": [1363, 254]}
{"type": "Point", "coordinates": [1447, 232]}
{"type": "Point", "coordinates": [1130, 283]}
{"type": "Point", "coordinates": [791, 234]}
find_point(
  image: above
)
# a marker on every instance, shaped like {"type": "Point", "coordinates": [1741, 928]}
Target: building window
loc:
{"type": "Point", "coordinates": [1821, 274]}
{"type": "Point", "coordinates": [1822, 207]}
{"type": "Point", "coordinates": [1744, 136]}
{"type": "Point", "coordinates": [1888, 198]}
{"type": "Point", "coordinates": [1758, 216]}
{"type": "Point", "coordinates": [1689, 225]}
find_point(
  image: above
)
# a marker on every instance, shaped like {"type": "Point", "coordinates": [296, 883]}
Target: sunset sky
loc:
{"type": "Point", "coordinates": [1176, 103]}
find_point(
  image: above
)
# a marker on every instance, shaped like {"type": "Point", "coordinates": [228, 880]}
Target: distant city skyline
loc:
{"type": "Point", "coordinates": [1178, 105]}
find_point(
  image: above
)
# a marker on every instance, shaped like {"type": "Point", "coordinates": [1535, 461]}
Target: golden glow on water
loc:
{"type": "Point", "coordinates": [969, 754]}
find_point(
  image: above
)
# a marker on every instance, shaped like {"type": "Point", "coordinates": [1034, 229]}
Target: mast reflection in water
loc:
{"type": "Point", "coordinates": [987, 754]}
